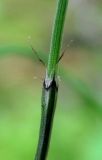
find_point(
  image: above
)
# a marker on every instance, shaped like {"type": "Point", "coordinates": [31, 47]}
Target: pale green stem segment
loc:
{"type": "Point", "coordinates": [56, 38]}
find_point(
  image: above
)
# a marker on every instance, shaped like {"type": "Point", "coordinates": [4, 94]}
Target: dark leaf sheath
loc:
{"type": "Point", "coordinates": [49, 97]}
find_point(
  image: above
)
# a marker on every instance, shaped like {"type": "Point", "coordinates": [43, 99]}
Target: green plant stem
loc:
{"type": "Point", "coordinates": [50, 87]}
{"type": "Point", "coordinates": [56, 37]}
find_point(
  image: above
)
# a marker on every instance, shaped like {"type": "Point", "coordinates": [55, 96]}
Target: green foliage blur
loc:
{"type": "Point", "coordinates": [77, 125]}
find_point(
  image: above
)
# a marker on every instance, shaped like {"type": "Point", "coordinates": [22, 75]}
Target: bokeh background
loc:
{"type": "Point", "coordinates": [77, 129]}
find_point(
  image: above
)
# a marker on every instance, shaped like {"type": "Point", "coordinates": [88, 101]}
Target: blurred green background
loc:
{"type": "Point", "coordinates": [77, 129]}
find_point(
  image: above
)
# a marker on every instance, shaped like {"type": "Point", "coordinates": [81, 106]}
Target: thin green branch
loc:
{"type": "Point", "coordinates": [50, 87]}
{"type": "Point", "coordinates": [56, 38]}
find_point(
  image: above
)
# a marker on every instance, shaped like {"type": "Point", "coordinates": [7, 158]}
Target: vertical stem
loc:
{"type": "Point", "coordinates": [56, 37]}
{"type": "Point", "coordinates": [50, 88]}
